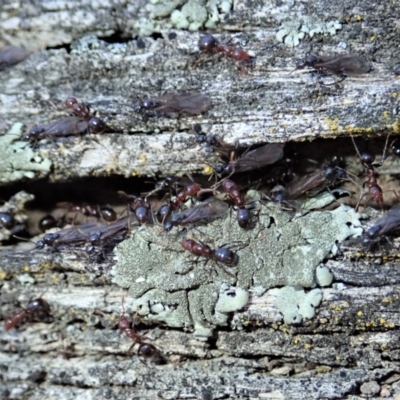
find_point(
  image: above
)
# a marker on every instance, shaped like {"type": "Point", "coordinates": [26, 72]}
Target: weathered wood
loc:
{"type": "Point", "coordinates": [266, 104]}
{"type": "Point", "coordinates": [349, 348]}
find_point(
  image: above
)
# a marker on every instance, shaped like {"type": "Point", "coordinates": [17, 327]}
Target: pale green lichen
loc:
{"type": "Point", "coordinates": [18, 160]}
{"type": "Point", "coordinates": [323, 275]}
{"type": "Point", "coordinates": [295, 304]}
{"type": "Point", "coordinates": [183, 14]}
{"type": "Point", "coordinates": [283, 249]}
{"type": "Point", "coordinates": [291, 32]}
{"type": "Point", "coordinates": [192, 16]}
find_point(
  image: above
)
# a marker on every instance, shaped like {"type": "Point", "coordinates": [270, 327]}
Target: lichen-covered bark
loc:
{"type": "Point", "coordinates": [350, 345]}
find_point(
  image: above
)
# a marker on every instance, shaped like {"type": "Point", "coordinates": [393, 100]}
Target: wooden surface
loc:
{"type": "Point", "coordinates": [349, 350]}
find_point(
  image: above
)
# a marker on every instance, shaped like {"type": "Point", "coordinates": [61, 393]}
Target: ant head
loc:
{"type": "Point", "coordinates": [373, 231]}
{"type": "Point", "coordinates": [33, 134]}
{"type": "Point", "coordinates": [396, 149]}
{"type": "Point", "coordinates": [7, 220]}
{"type": "Point", "coordinates": [71, 102]}
{"type": "Point", "coordinates": [168, 226]}
{"type": "Point", "coordinates": [148, 104]}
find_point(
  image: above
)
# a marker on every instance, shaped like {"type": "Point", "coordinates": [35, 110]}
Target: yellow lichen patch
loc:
{"type": "Point", "coordinates": [308, 346]}
{"type": "Point", "coordinates": [134, 173]}
{"type": "Point", "coordinates": [385, 114]}
{"type": "Point", "coordinates": [382, 321]}
{"type": "Point", "coordinates": [207, 170]}
{"type": "Point", "coordinates": [372, 38]}
{"type": "Point", "coordinates": [396, 126]}
{"type": "Point", "coordinates": [26, 268]}
{"type": "Point", "coordinates": [386, 300]}
{"type": "Point", "coordinates": [360, 313]}
{"type": "Point", "coordinates": [395, 94]}
{"type": "Point", "coordinates": [335, 308]}
{"type": "Point", "coordinates": [3, 274]}
{"type": "Point", "coordinates": [322, 369]}
{"type": "Point", "coordinates": [359, 17]}
{"type": "Point", "coordinates": [55, 278]}
{"type": "Point", "coordinates": [46, 265]}
{"type": "Point", "coordinates": [143, 158]}
{"type": "Point", "coordinates": [332, 124]}
{"type": "Point", "coordinates": [296, 340]}
{"type": "Point", "coordinates": [384, 346]}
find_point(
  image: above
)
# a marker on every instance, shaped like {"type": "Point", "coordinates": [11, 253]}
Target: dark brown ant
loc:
{"type": "Point", "coordinates": [342, 65]}
{"type": "Point", "coordinates": [11, 55]}
{"type": "Point", "coordinates": [253, 159]}
{"type": "Point", "coordinates": [209, 44]}
{"type": "Point", "coordinates": [389, 223]}
{"type": "Point", "coordinates": [82, 122]}
{"type": "Point", "coordinates": [37, 309]}
{"type": "Point", "coordinates": [191, 103]}
{"type": "Point", "coordinates": [367, 159]}
{"type": "Point", "coordinates": [221, 254]}
{"type": "Point", "coordinates": [145, 349]}
{"type": "Point", "coordinates": [208, 210]}
{"type": "Point", "coordinates": [62, 127]}
{"type": "Point", "coordinates": [320, 178]}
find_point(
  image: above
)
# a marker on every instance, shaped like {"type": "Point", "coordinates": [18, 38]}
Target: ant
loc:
{"type": "Point", "coordinates": [367, 159]}
{"type": "Point", "coordinates": [243, 213]}
{"type": "Point", "coordinates": [82, 110]}
{"type": "Point", "coordinates": [388, 224]}
{"type": "Point", "coordinates": [208, 210]}
{"type": "Point", "coordinates": [220, 254]}
{"type": "Point", "coordinates": [342, 65]}
{"type": "Point", "coordinates": [37, 309]}
{"type": "Point", "coordinates": [210, 44]}
{"type": "Point", "coordinates": [191, 190]}
{"type": "Point", "coordinates": [89, 210]}
{"type": "Point", "coordinates": [145, 349]}
{"type": "Point", "coordinates": [189, 103]}
{"type": "Point", "coordinates": [138, 205]}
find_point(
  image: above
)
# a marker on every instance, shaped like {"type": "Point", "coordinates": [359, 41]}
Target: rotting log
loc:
{"type": "Point", "coordinates": [350, 347]}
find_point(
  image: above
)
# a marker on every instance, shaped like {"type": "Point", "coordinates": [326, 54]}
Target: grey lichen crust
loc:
{"type": "Point", "coordinates": [18, 160]}
{"type": "Point", "coordinates": [291, 32]}
{"type": "Point", "coordinates": [168, 284]}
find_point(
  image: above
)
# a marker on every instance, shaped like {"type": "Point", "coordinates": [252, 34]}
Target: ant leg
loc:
{"type": "Point", "coordinates": [385, 152]}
